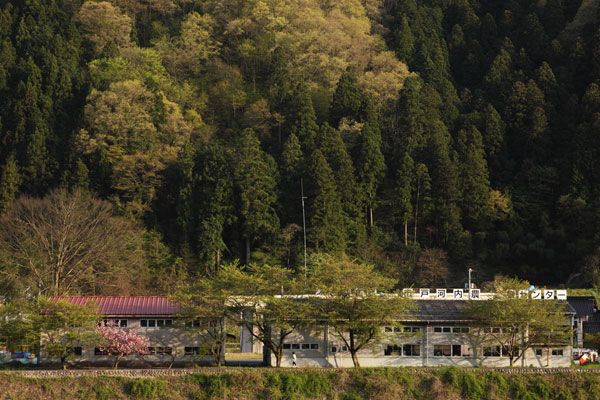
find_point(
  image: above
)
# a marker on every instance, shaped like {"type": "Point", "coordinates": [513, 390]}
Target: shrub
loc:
{"type": "Point", "coordinates": [147, 388]}
{"type": "Point", "coordinates": [306, 383]}
{"type": "Point", "coordinates": [212, 385]}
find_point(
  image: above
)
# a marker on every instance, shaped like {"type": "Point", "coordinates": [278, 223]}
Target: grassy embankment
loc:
{"type": "Point", "coordinates": [347, 384]}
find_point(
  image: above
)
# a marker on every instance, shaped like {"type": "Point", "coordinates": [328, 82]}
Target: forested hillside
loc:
{"type": "Point", "coordinates": [429, 136]}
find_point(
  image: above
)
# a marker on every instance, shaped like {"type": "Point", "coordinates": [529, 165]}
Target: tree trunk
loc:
{"type": "Point", "coordinates": [416, 212]}
{"type": "Point", "coordinates": [278, 357]}
{"type": "Point", "coordinates": [548, 355]}
{"type": "Point", "coordinates": [247, 251]}
{"type": "Point", "coordinates": [63, 362]}
{"type": "Point", "coordinates": [355, 359]}
{"type": "Point", "coordinates": [353, 351]}
{"type": "Point", "coordinates": [116, 366]}
{"type": "Point", "coordinates": [512, 360]}
{"type": "Point", "coordinates": [406, 233]}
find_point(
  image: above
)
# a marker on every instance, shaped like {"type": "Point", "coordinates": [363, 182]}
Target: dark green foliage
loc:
{"type": "Point", "coordinates": [210, 385]}
{"type": "Point", "coordinates": [147, 388]}
{"type": "Point", "coordinates": [503, 99]}
{"type": "Point", "coordinates": [308, 384]}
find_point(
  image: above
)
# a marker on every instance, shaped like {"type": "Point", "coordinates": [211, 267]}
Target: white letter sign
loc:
{"type": "Point", "coordinates": [441, 293]}
{"type": "Point", "coordinates": [458, 293]}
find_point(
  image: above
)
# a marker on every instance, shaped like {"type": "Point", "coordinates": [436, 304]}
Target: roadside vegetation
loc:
{"type": "Point", "coordinates": [348, 384]}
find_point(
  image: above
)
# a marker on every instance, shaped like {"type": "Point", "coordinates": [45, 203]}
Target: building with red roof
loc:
{"type": "Point", "coordinates": [172, 339]}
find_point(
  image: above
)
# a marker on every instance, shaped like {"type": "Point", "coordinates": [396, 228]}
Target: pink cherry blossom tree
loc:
{"type": "Point", "coordinates": [121, 342]}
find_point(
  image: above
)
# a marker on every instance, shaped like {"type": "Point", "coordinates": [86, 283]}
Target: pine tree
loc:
{"type": "Point", "coordinates": [348, 99]}
{"type": "Point", "coordinates": [405, 182]}
{"type": "Point", "coordinates": [255, 178]}
{"type": "Point", "coordinates": [333, 148]}
{"type": "Point", "coordinates": [474, 181]}
{"type": "Point", "coordinates": [213, 193]}
{"type": "Point", "coordinates": [404, 41]}
{"type": "Point", "coordinates": [326, 230]}
{"type": "Point", "coordinates": [370, 166]}
{"type": "Point", "coordinates": [304, 121]}
{"type": "Point", "coordinates": [292, 171]}
{"type": "Point", "coordinates": [9, 183]}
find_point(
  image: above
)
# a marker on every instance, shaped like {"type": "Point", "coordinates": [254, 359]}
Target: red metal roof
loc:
{"type": "Point", "coordinates": [126, 305]}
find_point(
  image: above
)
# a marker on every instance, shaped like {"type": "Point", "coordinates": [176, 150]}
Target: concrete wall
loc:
{"type": "Point", "coordinates": [427, 338]}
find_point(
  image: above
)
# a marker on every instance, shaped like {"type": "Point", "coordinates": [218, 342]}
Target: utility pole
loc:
{"type": "Point", "coordinates": [303, 223]}
{"type": "Point", "coordinates": [470, 270]}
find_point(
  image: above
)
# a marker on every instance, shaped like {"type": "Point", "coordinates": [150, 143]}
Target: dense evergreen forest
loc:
{"type": "Point", "coordinates": [427, 136]}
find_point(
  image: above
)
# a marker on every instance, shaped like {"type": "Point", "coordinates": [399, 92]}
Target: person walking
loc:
{"type": "Point", "coordinates": [294, 359]}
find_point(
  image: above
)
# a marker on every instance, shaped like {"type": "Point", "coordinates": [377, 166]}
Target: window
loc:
{"type": "Point", "coordinates": [411, 350]}
{"type": "Point", "coordinates": [334, 349]}
{"type": "Point", "coordinates": [98, 352]}
{"type": "Point", "coordinates": [388, 329]}
{"type": "Point", "coordinates": [153, 323]}
{"type": "Point", "coordinates": [493, 351]}
{"type": "Point", "coordinates": [151, 351]}
{"type": "Point", "coordinates": [442, 329]}
{"type": "Point", "coordinates": [557, 352]}
{"type": "Point", "coordinates": [302, 346]}
{"type": "Point", "coordinates": [164, 351]}
{"type": "Point", "coordinates": [192, 324]}
{"type": "Point", "coordinates": [460, 329]}
{"type": "Point", "coordinates": [192, 351]}
{"type": "Point", "coordinates": [442, 350]}
{"type": "Point", "coordinates": [437, 329]}
{"type": "Point", "coordinates": [120, 322]}
{"type": "Point", "coordinates": [538, 352]}
{"type": "Point", "coordinates": [77, 351]}
{"type": "Point", "coordinates": [392, 350]}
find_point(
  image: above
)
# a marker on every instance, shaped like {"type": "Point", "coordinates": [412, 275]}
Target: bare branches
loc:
{"type": "Point", "coordinates": [66, 243]}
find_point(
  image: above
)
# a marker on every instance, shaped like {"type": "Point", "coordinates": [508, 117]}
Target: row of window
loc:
{"type": "Point", "coordinates": [406, 350]}
{"type": "Point", "coordinates": [400, 329]}
{"type": "Point", "coordinates": [451, 350]}
{"type": "Point", "coordinates": [155, 323]}
{"type": "Point", "coordinates": [144, 323]}
{"type": "Point", "coordinates": [451, 329]}
{"type": "Point", "coordinates": [301, 346]}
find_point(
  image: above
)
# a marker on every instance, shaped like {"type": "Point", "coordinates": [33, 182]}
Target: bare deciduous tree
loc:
{"type": "Point", "coordinates": [432, 268]}
{"type": "Point", "coordinates": [67, 243]}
